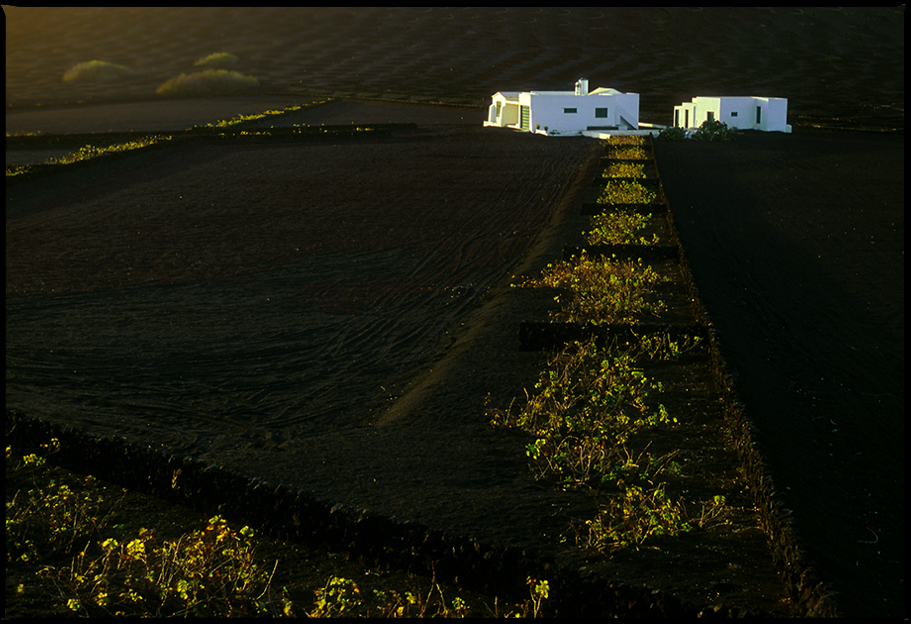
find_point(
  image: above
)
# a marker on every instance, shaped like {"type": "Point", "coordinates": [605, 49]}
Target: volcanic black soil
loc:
{"type": "Point", "coordinates": [333, 314]}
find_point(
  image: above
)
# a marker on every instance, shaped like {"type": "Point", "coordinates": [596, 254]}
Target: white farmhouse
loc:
{"type": "Point", "coordinates": [744, 113]}
{"type": "Point", "coordinates": [576, 112]}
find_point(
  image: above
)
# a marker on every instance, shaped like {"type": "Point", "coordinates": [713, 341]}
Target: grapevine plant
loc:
{"type": "Point", "coordinates": [591, 402]}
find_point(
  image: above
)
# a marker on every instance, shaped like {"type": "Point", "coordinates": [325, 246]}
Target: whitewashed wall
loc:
{"type": "Point", "coordinates": [736, 112]}
{"type": "Point", "coordinates": [548, 111]}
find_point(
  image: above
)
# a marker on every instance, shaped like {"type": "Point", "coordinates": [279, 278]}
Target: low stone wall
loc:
{"type": "Point", "coordinates": [809, 593]}
{"type": "Point", "coordinates": [376, 540]}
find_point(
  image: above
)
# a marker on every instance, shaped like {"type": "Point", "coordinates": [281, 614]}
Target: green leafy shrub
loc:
{"type": "Point", "coordinates": [634, 515]}
{"type": "Point", "coordinates": [625, 140]}
{"type": "Point", "coordinates": [620, 227]}
{"type": "Point", "coordinates": [626, 192]}
{"type": "Point", "coordinates": [629, 151]}
{"type": "Point", "coordinates": [341, 597]}
{"type": "Point", "coordinates": [209, 573]}
{"type": "Point", "coordinates": [673, 133]}
{"type": "Point", "coordinates": [602, 290]}
{"type": "Point", "coordinates": [50, 518]}
{"type": "Point", "coordinates": [590, 402]}
{"type": "Point", "coordinates": [624, 170]}
{"type": "Point", "coordinates": [712, 130]}
{"type": "Point", "coordinates": [585, 407]}
{"type": "Point", "coordinates": [47, 521]}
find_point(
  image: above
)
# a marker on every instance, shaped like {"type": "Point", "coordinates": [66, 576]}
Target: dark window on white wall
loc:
{"type": "Point", "coordinates": [567, 111]}
{"type": "Point", "coordinates": [733, 113]}
{"type": "Point", "coordinates": [601, 113]}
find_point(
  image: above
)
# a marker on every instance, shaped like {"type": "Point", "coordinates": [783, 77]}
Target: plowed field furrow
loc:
{"type": "Point", "coordinates": [272, 272]}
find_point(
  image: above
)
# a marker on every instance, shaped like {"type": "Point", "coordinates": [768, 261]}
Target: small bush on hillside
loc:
{"type": "Point", "coordinates": [208, 81]}
{"type": "Point", "coordinates": [219, 58]}
{"type": "Point", "coordinates": [96, 70]}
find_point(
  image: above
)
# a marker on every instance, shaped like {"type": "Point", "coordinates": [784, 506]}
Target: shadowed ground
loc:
{"type": "Point", "coordinates": [228, 302]}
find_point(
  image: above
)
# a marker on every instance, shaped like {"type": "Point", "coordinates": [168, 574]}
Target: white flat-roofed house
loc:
{"type": "Point", "coordinates": [744, 113]}
{"type": "Point", "coordinates": [566, 113]}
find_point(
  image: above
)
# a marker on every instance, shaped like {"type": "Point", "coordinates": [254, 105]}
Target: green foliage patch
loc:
{"type": "Point", "coordinates": [624, 170]}
{"type": "Point", "coordinates": [629, 150]}
{"type": "Point", "coordinates": [586, 406]}
{"type": "Point", "coordinates": [63, 531]}
{"type": "Point", "coordinates": [620, 227]}
{"type": "Point", "coordinates": [626, 192]}
{"type": "Point", "coordinates": [712, 130]}
{"type": "Point", "coordinates": [210, 573]}
{"type": "Point", "coordinates": [584, 411]}
{"type": "Point", "coordinates": [673, 133]}
{"type": "Point", "coordinates": [602, 290]}
{"type": "Point", "coordinates": [591, 402]}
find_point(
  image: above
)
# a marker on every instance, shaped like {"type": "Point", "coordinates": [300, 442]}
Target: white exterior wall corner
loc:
{"type": "Point", "coordinates": [492, 114]}
{"type": "Point", "coordinates": [706, 105]}
{"type": "Point", "coordinates": [777, 117]}
{"type": "Point", "coordinates": [629, 109]}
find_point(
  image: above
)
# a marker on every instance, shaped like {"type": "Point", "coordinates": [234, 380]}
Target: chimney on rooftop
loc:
{"type": "Point", "coordinates": [582, 86]}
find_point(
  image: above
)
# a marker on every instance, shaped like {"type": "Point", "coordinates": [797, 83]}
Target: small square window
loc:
{"type": "Point", "coordinates": [570, 110]}
{"type": "Point", "coordinates": [601, 113]}
{"type": "Point", "coordinates": [733, 113]}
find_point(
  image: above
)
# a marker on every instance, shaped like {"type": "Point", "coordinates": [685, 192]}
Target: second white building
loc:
{"type": "Point", "coordinates": [744, 113]}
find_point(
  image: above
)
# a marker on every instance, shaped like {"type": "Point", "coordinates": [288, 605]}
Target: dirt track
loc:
{"type": "Point", "coordinates": [365, 247]}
